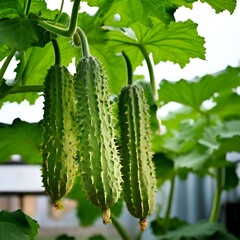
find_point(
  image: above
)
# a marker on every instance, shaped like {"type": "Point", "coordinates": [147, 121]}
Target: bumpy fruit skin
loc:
{"type": "Point", "coordinates": [59, 139]}
{"type": "Point", "coordinates": [98, 157]}
{"type": "Point", "coordinates": [138, 170]}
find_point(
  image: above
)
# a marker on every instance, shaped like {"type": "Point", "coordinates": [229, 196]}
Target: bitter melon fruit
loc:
{"type": "Point", "coordinates": [135, 148]}
{"type": "Point", "coordinates": [59, 138]}
{"type": "Point", "coordinates": [98, 157]}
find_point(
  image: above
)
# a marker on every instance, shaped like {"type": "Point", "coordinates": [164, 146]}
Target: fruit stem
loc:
{"type": "Point", "coordinates": [84, 42]}
{"type": "Point", "coordinates": [129, 68]}
{"type": "Point", "coordinates": [56, 51]}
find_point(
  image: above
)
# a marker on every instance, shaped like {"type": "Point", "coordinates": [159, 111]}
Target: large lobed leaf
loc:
{"type": "Point", "coordinates": [193, 93]}
{"type": "Point", "coordinates": [143, 10]}
{"type": "Point", "coordinates": [177, 42]}
{"type": "Point", "coordinates": [221, 5]}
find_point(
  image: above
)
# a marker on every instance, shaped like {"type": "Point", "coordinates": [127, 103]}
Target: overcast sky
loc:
{"type": "Point", "coordinates": [221, 33]}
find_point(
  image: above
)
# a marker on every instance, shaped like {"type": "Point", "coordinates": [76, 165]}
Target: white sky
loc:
{"type": "Point", "coordinates": [222, 36]}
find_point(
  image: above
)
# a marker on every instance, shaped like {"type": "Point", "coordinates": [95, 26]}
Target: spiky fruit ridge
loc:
{"type": "Point", "coordinates": [138, 169]}
{"type": "Point", "coordinates": [97, 151]}
{"type": "Point", "coordinates": [59, 140]}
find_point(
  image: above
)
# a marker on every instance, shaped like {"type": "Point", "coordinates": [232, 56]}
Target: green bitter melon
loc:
{"type": "Point", "coordinates": [138, 169]}
{"type": "Point", "coordinates": [99, 161]}
{"type": "Point", "coordinates": [59, 139]}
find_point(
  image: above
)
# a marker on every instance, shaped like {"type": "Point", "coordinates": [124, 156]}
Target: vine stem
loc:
{"type": "Point", "coordinates": [56, 51]}
{"type": "Point", "coordinates": [26, 89]}
{"type": "Point", "coordinates": [168, 211]}
{"type": "Point", "coordinates": [129, 68]}
{"type": "Point", "coordinates": [150, 70]}
{"type": "Point", "coordinates": [6, 63]}
{"type": "Point", "coordinates": [119, 228]}
{"type": "Point", "coordinates": [217, 197]}
{"type": "Point", "coordinates": [72, 26]}
{"type": "Point", "coordinates": [60, 12]}
{"type": "Point", "coordinates": [27, 6]}
{"type": "Point", "coordinates": [84, 42]}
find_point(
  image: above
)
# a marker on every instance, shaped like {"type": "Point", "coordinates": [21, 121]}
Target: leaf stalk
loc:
{"type": "Point", "coordinates": [217, 197]}
{"type": "Point", "coordinates": [150, 70]}
{"type": "Point", "coordinates": [168, 211]}
{"type": "Point", "coordinates": [6, 63]}
{"type": "Point", "coordinates": [26, 89]}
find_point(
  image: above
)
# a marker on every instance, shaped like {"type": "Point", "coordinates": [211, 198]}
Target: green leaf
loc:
{"type": "Point", "coordinates": [138, 10]}
{"type": "Point", "coordinates": [4, 51]}
{"type": "Point", "coordinates": [31, 97]}
{"type": "Point", "coordinates": [37, 6]}
{"type": "Point", "coordinates": [65, 237]}
{"type": "Point", "coordinates": [196, 160]}
{"type": "Point", "coordinates": [193, 93]}
{"type": "Point", "coordinates": [223, 130]}
{"type": "Point", "coordinates": [221, 5]}
{"type": "Point", "coordinates": [178, 42]}
{"type": "Point", "coordinates": [97, 237]}
{"type": "Point", "coordinates": [10, 231]}
{"type": "Point", "coordinates": [17, 225]}
{"type": "Point", "coordinates": [21, 138]}
{"type": "Point", "coordinates": [174, 118]}
{"type": "Point", "coordinates": [86, 212]}
{"type": "Point", "coordinates": [200, 231]}
{"type": "Point", "coordinates": [10, 9]}
{"type": "Point", "coordinates": [227, 145]}
{"type": "Point", "coordinates": [227, 106]}
{"type": "Point", "coordinates": [181, 140]}
{"type": "Point", "coordinates": [164, 167]}
{"type": "Point", "coordinates": [231, 179]}
{"type": "Point", "coordinates": [157, 225]}
{"type": "Point", "coordinates": [22, 33]}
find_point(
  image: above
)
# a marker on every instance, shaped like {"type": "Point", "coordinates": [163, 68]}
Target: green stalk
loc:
{"type": "Point", "coordinates": [60, 12]}
{"type": "Point", "coordinates": [139, 236]}
{"type": "Point", "coordinates": [150, 70]}
{"type": "Point", "coordinates": [26, 89]}
{"type": "Point", "coordinates": [27, 6]}
{"type": "Point", "coordinates": [119, 228]}
{"type": "Point", "coordinates": [84, 42]}
{"type": "Point", "coordinates": [217, 197]}
{"type": "Point", "coordinates": [168, 211]}
{"type": "Point", "coordinates": [56, 51]}
{"type": "Point", "coordinates": [129, 68]}
{"type": "Point", "coordinates": [73, 23]}
{"type": "Point", "coordinates": [6, 63]}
